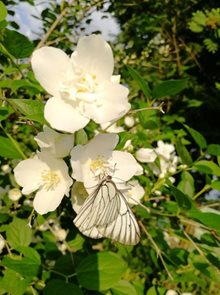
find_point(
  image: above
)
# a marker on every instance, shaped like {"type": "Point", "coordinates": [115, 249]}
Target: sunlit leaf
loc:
{"type": "Point", "coordinates": [100, 271]}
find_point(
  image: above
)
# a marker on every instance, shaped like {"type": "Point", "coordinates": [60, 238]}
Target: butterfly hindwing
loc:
{"type": "Point", "coordinates": [106, 213]}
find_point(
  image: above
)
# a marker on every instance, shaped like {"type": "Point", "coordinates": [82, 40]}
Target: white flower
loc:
{"type": "Point", "coordinates": [97, 159]}
{"type": "Point", "coordinates": [59, 233]}
{"type": "Point", "coordinates": [14, 194]}
{"type": "Point", "coordinates": [134, 192]}
{"type": "Point", "coordinates": [46, 175]}
{"type": "Point", "coordinates": [164, 149]}
{"type": "Point", "coordinates": [129, 121]}
{"type": "Point", "coordinates": [113, 128]}
{"type": "Point", "coordinates": [55, 143]}
{"type": "Point", "coordinates": [145, 155]}
{"type": "Point", "coordinates": [128, 146]}
{"type": "Point", "coordinates": [6, 168]}
{"type": "Point", "coordinates": [171, 292]}
{"type": "Point", "coordinates": [2, 243]}
{"type": "Point", "coordinates": [82, 87]}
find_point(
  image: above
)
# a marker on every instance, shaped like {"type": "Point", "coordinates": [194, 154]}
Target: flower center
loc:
{"type": "Point", "coordinates": [78, 86]}
{"type": "Point", "coordinates": [100, 166]}
{"type": "Point", "coordinates": [50, 179]}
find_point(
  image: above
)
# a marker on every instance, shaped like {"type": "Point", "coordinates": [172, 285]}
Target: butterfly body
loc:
{"type": "Point", "coordinates": [106, 213]}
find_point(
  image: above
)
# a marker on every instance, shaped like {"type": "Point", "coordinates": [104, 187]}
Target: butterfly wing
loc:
{"type": "Point", "coordinates": [99, 209]}
{"type": "Point", "coordinates": [124, 228]}
{"type": "Point", "coordinates": [106, 214]}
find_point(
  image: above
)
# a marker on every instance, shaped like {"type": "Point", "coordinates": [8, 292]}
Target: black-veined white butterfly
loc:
{"type": "Point", "coordinates": [106, 213]}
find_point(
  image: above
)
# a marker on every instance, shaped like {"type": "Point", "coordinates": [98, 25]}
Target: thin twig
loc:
{"type": "Point", "coordinates": [159, 108]}
{"type": "Point", "coordinates": [54, 25]}
{"type": "Point", "coordinates": [194, 244]}
{"type": "Point", "coordinates": [157, 249]}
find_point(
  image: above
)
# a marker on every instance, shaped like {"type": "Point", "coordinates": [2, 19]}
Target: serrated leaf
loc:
{"type": "Point", "coordinates": [207, 167]}
{"type": "Point", "coordinates": [27, 266]}
{"type": "Point", "coordinates": [7, 149]}
{"type": "Point", "coordinates": [100, 271]}
{"type": "Point", "coordinates": [143, 85]}
{"type": "Point", "coordinates": [57, 287]}
{"type": "Point", "coordinates": [17, 44]}
{"type": "Point", "coordinates": [168, 88]}
{"type": "Point", "coordinates": [18, 233]}
{"type": "Point", "coordinates": [32, 109]}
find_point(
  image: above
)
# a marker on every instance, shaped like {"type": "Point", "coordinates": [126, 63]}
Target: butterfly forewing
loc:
{"type": "Point", "coordinates": [99, 209]}
{"type": "Point", "coordinates": [106, 214]}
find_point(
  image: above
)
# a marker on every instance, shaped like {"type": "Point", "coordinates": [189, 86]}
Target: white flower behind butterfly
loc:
{"type": "Point", "coordinates": [82, 86]}
{"type": "Point", "coordinates": [105, 212]}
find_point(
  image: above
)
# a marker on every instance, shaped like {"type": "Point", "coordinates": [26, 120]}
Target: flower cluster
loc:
{"type": "Point", "coordinates": [168, 159]}
{"type": "Point", "coordinates": [82, 88]}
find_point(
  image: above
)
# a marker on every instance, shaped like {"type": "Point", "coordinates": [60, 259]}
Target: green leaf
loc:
{"type": "Point", "coordinates": [5, 111]}
{"type": "Point", "coordinates": [186, 185]}
{"type": "Point", "coordinates": [18, 233]}
{"type": "Point", "coordinates": [215, 185]}
{"type": "Point", "coordinates": [183, 200]}
{"type": "Point", "coordinates": [100, 271]}
{"type": "Point", "coordinates": [13, 283]}
{"type": "Point", "coordinates": [27, 265]}
{"type": "Point", "coordinates": [124, 288]}
{"type": "Point", "coordinates": [209, 219]}
{"type": "Point", "coordinates": [32, 109]}
{"type": "Point", "coordinates": [143, 85]}
{"type": "Point", "coordinates": [17, 44]}
{"type": "Point", "coordinates": [57, 287]}
{"type": "Point", "coordinates": [7, 149]}
{"type": "Point", "coordinates": [168, 88]}
{"type": "Point", "coordinates": [3, 11]}
{"type": "Point", "coordinates": [207, 167]}
{"type": "Point", "coordinates": [214, 149]}
{"type": "Point", "coordinates": [199, 139]}
{"type": "Point", "coordinates": [183, 153]}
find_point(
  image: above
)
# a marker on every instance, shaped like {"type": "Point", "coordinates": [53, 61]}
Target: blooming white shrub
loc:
{"type": "Point", "coordinates": [82, 86]}
{"type": "Point", "coordinates": [168, 160]}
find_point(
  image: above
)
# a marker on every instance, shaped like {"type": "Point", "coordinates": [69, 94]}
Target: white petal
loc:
{"type": "Point", "coordinates": [146, 155]}
{"type": "Point", "coordinates": [77, 160]}
{"type": "Point", "coordinates": [78, 195]}
{"type": "Point", "coordinates": [126, 166]}
{"type": "Point", "coordinates": [28, 174]}
{"type": "Point", "coordinates": [50, 66]}
{"type": "Point", "coordinates": [113, 100]}
{"type": "Point", "coordinates": [102, 144]}
{"type": "Point", "coordinates": [63, 116]}
{"type": "Point", "coordinates": [94, 55]}
{"type": "Point", "coordinates": [58, 144]}
{"type": "Point", "coordinates": [48, 200]}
